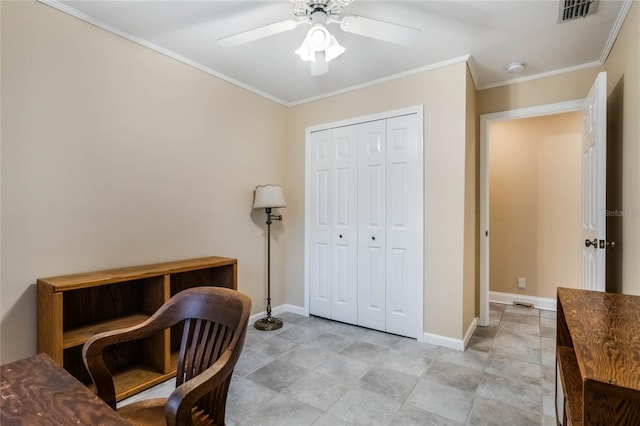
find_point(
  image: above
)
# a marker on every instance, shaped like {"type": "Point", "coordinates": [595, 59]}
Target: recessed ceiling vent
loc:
{"type": "Point", "coordinates": [573, 9]}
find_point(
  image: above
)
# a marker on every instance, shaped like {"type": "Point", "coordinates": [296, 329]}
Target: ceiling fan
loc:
{"type": "Point", "coordinates": [319, 46]}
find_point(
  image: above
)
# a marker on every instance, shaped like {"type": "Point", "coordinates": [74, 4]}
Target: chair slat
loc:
{"type": "Point", "coordinates": [201, 364]}
{"type": "Point", "coordinates": [193, 349]}
{"type": "Point", "coordinates": [208, 355]}
{"type": "Point", "coordinates": [186, 330]}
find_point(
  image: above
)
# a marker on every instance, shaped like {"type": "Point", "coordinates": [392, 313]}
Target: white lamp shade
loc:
{"type": "Point", "coordinates": [305, 52]}
{"type": "Point", "coordinates": [268, 196]}
{"type": "Point", "coordinates": [334, 50]}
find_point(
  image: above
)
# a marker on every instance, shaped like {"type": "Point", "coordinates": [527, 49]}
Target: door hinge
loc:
{"type": "Point", "coordinates": [605, 244]}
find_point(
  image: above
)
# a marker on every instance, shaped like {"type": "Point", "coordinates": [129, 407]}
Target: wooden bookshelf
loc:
{"type": "Point", "coordinates": [72, 308]}
{"type": "Point", "coordinates": [598, 358]}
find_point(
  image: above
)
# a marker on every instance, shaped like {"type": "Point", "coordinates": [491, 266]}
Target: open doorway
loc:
{"type": "Point", "coordinates": [526, 229]}
{"type": "Point", "coordinates": [534, 207]}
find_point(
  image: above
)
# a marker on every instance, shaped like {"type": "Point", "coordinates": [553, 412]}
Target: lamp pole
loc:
{"type": "Point", "coordinates": [269, 323]}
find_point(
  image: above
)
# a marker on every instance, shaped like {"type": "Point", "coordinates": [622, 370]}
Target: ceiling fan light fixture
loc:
{"type": "Point", "coordinates": [318, 37]}
{"type": "Point", "coordinates": [319, 41]}
{"type": "Point", "coordinates": [305, 52]}
{"type": "Point", "coordinates": [320, 65]}
{"type": "Point", "coordinates": [334, 50]}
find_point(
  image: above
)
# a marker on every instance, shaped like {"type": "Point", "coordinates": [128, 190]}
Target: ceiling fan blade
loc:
{"type": "Point", "coordinates": [380, 30]}
{"type": "Point", "coordinates": [260, 32]}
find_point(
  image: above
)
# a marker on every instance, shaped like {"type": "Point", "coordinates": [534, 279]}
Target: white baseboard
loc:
{"type": "Point", "coordinates": [543, 303]}
{"type": "Point", "coordinates": [449, 342]}
{"type": "Point", "coordinates": [278, 310]}
{"type": "Point", "coordinates": [293, 309]}
{"type": "Point", "coordinates": [470, 330]}
{"type": "Point", "coordinates": [434, 339]}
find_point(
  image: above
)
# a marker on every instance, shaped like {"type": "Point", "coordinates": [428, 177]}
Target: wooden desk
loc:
{"type": "Point", "coordinates": [598, 358]}
{"type": "Point", "coordinates": [37, 391]}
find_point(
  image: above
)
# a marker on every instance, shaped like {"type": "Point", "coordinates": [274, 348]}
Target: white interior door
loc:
{"type": "Point", "coordinates": [344, 211]}
{"type": "Point", "coordinates": [371, 224]}
{"type": "Point", "coordinates": [333, 229]}
{"type": "Point", "coordinates": [594, 175]}
{"type": "Point", "coordinates": [404, 206]}
{"type": "Point", "coordinates": [320, 223]}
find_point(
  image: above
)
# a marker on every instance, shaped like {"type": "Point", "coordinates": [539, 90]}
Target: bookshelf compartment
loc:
{"type": "Point", "coordinates": [222, 276]}
{"type": "Point", "coordinates": [79, 335]}
{"type": "Point", "coordinates": [72, 362]}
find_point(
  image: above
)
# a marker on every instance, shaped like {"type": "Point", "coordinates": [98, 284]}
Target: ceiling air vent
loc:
{"type": "Point", "coordinates": [573, 9]}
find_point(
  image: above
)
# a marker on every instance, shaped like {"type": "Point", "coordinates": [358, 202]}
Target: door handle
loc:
{"type": "Point", "coordinates": [589, 243]}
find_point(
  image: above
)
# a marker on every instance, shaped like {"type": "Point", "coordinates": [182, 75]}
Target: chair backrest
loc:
{"type": "Point", "coordinates": [214, 321]}
{"type": "Point", "coordinates": [211, 317]}
{"type": "Point", "coordinates": [214, 324]}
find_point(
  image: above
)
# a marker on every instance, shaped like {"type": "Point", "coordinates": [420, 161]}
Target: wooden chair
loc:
{"type": "Point", "coordinates": [215, 324]}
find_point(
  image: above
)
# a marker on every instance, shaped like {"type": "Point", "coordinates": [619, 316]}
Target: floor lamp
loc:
{"type": "Point", "coordinates": [268, 197]}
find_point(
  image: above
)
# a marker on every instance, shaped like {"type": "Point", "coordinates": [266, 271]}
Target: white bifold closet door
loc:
{"type": "Point", "coordinates": [333, 231]}
{"type": "Point", "coordinates": [365, 224]}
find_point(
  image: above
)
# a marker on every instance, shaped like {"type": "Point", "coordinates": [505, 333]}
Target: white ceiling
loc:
{"type": "Point", "coordinates": [491, 33]}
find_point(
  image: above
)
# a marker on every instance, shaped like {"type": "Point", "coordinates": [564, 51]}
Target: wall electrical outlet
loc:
{"type": "Point", "coordinates": [521, 283]}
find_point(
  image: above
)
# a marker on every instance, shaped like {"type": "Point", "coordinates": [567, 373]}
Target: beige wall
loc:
{"type": "Point", "coordinates": [558, 88]}
{"type": "Point", "coordinates": [623, 84]}
{"type": "Point", "coordinates": [442, 92]}
{"type": "Point", "coordinates": [114, 155]}
{"type": "Point", "coordinates": [535, 204]}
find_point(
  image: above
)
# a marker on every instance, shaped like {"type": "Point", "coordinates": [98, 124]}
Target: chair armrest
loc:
{"type": "Point", "coordinates": [92, 354]}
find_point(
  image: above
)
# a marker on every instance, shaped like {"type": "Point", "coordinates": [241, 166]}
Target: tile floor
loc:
{"type": "Point", "coordinates": [319, 372]}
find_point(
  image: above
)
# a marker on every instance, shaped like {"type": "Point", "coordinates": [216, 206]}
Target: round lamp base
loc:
{"type": "Point", "coordinates": [268, 324]}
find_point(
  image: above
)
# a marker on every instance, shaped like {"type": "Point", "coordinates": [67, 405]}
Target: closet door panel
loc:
{"type": "Point", "coordinates": [403, 262]}
{"type": "Point", "coordinates": [371, 288]}
{"type": "Point", "coordinates": [320, 245]}
{"type": "Point", "coordinates": [344, 232]}
{"type": "Point", "coordinates": [397, 293]}
{"type": "Point", "coordinates": [372, 302]}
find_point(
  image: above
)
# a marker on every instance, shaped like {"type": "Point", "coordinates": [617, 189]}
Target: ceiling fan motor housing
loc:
{"type": "Point", "coordinates": [318, 16]}
{"type": "Point", "coordinates": [303, 8]}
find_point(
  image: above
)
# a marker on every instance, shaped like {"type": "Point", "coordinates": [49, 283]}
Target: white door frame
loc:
{"type": "Point", "coordinates": [419, 110]}
{"type": "Point", "coordinates": [485, 121]}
